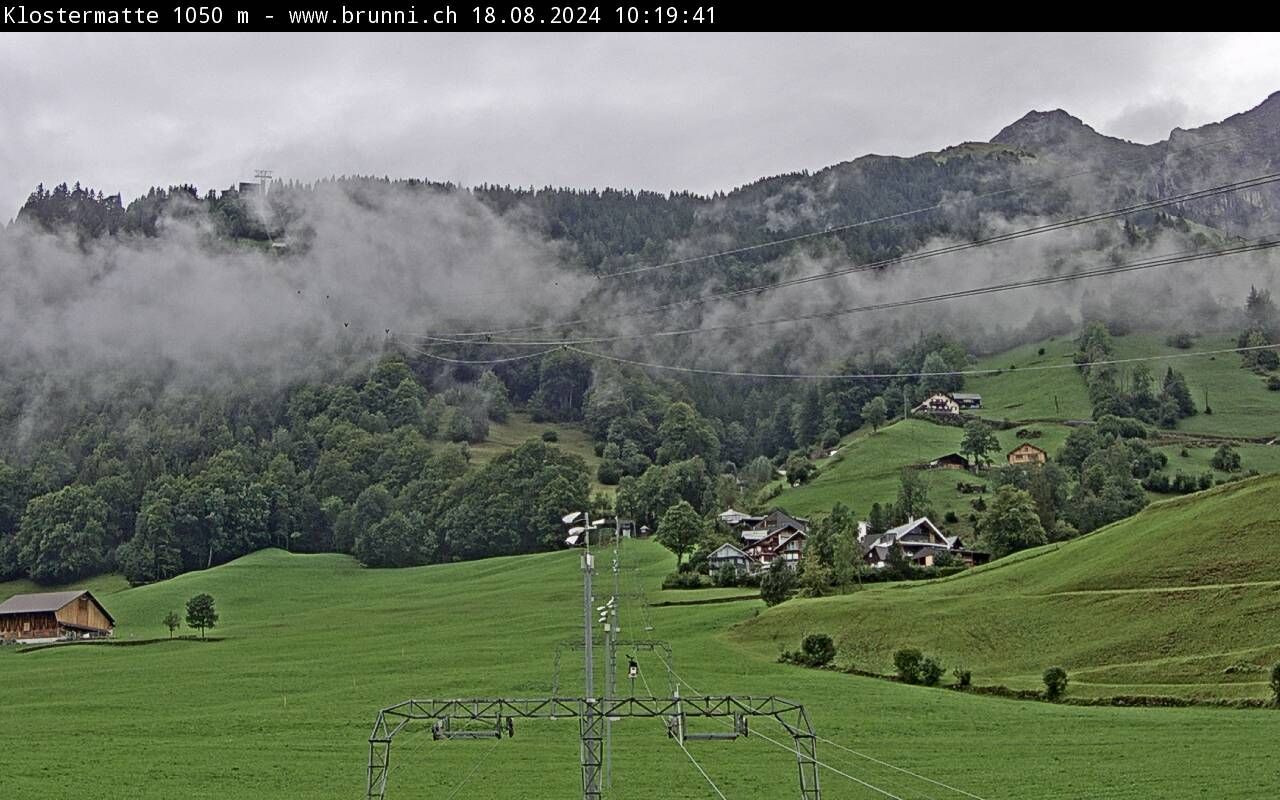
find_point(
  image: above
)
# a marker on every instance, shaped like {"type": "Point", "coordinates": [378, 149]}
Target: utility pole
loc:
{"type": "Point", "coordinates": [588, 567]}
{"type": "Point", "coordinates": [611, 640]}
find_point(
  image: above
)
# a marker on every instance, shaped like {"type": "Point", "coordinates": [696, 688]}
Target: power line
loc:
{"type": "Point", "coordinates": [839, 772]}
{"type": "Point", "coordinates": [1210, 192]}
{"type": "Point", "coordinates": [892, 375]}
{"type": "Point", "coordinates": [1170, 259]}
{"type": "Point", "coordinates": [520, 357]}
{"type": "Point", "coordinates": [899, 769]}
{"type": "Point", "coordinates": [484, 756]}
{"type": "Point", "coordinates": [695, 763]}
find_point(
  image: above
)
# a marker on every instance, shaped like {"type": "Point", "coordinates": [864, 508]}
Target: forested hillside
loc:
{"type": "Point", "coordinates": [190, 376]}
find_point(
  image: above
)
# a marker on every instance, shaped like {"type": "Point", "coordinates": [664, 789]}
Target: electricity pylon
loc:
{"type": "Point", "coordinates": [499, 715]}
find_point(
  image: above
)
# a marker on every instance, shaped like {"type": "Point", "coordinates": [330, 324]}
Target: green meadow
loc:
{"type": "Point", "coordinates": [313, 646]}
{"type": "Point", "coordinates": [1182, 599]}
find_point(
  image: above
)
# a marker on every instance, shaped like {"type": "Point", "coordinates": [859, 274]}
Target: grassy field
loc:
{"type": "Point", "coordinates": [1182, 599]}
{"type": "Point", "coordinates": [1038, 393]}
{"type": "Point", "coordinates": [869, 466]}
{"type": "Point", "coordinates": [518, 429]}
{"type": "Point", "coordinates": [315, 645]}
{"type": "Point", "coordinates": [1241, 403]}
{"type": "Point", "coordinates": [1263, 458]}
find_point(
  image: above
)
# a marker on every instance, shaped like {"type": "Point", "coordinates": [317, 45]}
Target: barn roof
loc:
{"type": "Point", "coordinates": [46, 602]}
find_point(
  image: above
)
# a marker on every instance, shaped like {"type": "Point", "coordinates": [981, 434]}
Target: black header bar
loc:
{"type": "Point", "coordinates": [425, 16]}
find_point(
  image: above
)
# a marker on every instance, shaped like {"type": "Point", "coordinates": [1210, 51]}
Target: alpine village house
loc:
{"type": "Point", "coordinates": [54, 616]}
{"type": "Point", "coordinates": [779, 535]}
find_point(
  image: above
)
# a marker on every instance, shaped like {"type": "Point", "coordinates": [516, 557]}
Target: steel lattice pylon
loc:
{"type": "Point", "coordinates": [590, 713]}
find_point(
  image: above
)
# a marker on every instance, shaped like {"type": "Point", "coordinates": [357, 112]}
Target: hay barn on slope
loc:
{"type": "Point", "coordinates": [51, 616]}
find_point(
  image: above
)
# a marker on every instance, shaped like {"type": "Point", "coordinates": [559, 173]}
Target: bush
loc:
{"type": "Point", "coordinates": [726, 576]}
{"type": "Point", "coordinates": [1225, 459]}
{"type": "Point", "coordinates": [1157, 482]}
{"type": "Point", "coordinates": [683, 580]}
{"type": "Point", "coordinates": [817, 650]}
{"type": "Point", "coordinates": [951, 518]}
{"type": "Point", "coordinates": [945, 559]}
{"type": "Point", "coordinates": [1055, 683]}
{"type": "Point", "coordinates": [964, 678]}
{"type": "Point", "coordinates": [930, 671]}
{"type": "Point", "coordinates": [1275, 682]}
{"type": "Point", "coordinates": [776, 584]}
{"type": "Point", "coordinates": [550, 435]}
{"type": "Point", "coordinates": [1273, 383]}
{"type": "Point", "coordinates": [907, 664]}
{"type": "Point", "coordinates": [1181, 340]}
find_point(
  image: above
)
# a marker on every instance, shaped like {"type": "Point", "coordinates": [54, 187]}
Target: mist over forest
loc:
{"type": "Point", "coordinates": [190, 375]}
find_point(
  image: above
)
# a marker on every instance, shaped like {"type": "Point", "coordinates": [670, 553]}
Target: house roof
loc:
{"type": "Point", "coordinates": [903, 530]}
{"type": "Point", "coordinates": [782, 541]}
{"type": "Point", "coordinates": [950, 457]}
{"type": "Point", "coordinates": [1024, 446]}
{"type": "Point", "coordinates": [726, 550]}
{"type": "Point", "coordinates": [965, 396]}
{"type": "Point", "coordinates": [894, 535]}
{"type": "Point", "coordinates": [731, 515]}
{"type": "Point", "coordinates": [47, 602]}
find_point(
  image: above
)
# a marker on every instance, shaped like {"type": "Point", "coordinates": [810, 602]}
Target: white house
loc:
{"type": "Point", "coordinates": [729, 555]}
{"type": "Point", "coordinates": [919, 539]}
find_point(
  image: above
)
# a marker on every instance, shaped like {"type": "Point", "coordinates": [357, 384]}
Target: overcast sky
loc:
{"type": "Point", "coordinates": [692, 111]}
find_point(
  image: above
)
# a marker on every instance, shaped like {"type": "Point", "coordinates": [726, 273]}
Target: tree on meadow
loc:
{"type": "Point", "coordinates": [201, 613]}
{"type": "Point", "coordinates": [680, 529]}
{"type": "Point", "coordinates": [978, 442]}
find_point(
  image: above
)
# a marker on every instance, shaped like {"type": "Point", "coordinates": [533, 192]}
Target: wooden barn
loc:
{"type": "Point", "coordinates": [949, 461]}
{"type": "Point", "coordinates": [52, 616]}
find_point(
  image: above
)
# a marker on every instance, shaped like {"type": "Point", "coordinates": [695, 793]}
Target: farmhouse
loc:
{"type": "Point", "coordinates": [949, 461]}
{"type": "Point", "coordinates": [775, 535]}
{"type": "Point", "coordinates": [920, 541]}
{"type": "Point", "coordinates": [51, 616]}
{"type": "Point", "coordinates": [1027, 453]}
{"type": "Point", "coordinates": [785, 543]}
{"type": "Point", "coordinates": [940, 404]}
{"type": "Point", "coordinates": [967, 401]}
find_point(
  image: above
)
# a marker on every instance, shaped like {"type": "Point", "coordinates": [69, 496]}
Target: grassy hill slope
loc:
{"type": "Point", "coordinates": [1242, 405]}
{"type": "Point", "coordinates": [315, 645]}
{"type": "Point", "coordinates": [519, 428]}
{"type": "Point", "coordinates": [869, 465]}
{"type": "Point", "coordinates": [1181, 599]}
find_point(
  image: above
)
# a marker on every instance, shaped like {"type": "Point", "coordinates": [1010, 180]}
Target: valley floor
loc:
{"type": "Point", "coordinates": [315, 645]}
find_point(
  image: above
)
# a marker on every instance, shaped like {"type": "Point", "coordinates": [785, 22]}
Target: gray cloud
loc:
{"type": "Point", "coordinates": [682, 111]}
{"type": "Point", "coordinates": [187, 311]}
